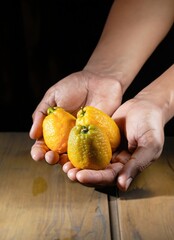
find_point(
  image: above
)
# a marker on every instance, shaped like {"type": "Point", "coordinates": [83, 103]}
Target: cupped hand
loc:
{"type": "Point", "coordinates": [71, 93]}
{"type": "Point", "coordinates": [141, 123]}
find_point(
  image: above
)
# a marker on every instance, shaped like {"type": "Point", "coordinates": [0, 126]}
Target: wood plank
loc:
{"type": "Point", "coordinates": [37, 201]}
{"type": "Point", "coordinates": [146, 211]}
{"type": "Point", "coordinates": [114, 217]}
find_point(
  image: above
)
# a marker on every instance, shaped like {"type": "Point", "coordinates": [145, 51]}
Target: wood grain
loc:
{"type": "Point", "coordinates": [146, 211]}
{"type": "Point", "coordinates": [37, 201]}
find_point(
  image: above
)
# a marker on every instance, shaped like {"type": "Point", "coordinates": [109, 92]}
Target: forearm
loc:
{"type": "Point", "coordinates": [133, 30]}
{"type": "Point", "coordinates": [160, 93]}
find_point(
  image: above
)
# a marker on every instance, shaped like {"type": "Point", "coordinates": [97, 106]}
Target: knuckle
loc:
{"type": "Point", "coordinates": [153, 141]}
{"type": "Point", "coordinates": [143, 165]}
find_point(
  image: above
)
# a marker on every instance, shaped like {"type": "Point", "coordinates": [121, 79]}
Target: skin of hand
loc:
{"type": "Point", "coordinates": [142, 124]}
{"type": "Point", "coordinates": [141, 120]}
{"type": "Point", "coordinates": [73, 92]}
{"type": "Point", "coordinates": [132, 32]}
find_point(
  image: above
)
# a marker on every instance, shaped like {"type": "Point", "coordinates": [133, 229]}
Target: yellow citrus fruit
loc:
{"type": "Point", "coordinates": [56, 127]}
{"type": "Point", "coordinates": [89, 147]}
{"type": "Point", "coordinates": [91, 115]}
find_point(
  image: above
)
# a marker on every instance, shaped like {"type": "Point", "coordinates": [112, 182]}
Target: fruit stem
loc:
{"type": "Point", "coordinates": [84, 129]}
{"type": "Point", "coordinates": [51, 110]}
{"type": "Point", "coordinates": [82, 112]}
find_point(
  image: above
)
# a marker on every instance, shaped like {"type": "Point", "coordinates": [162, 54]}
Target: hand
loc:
{"type": "Point", "coordinates": [142, 124]}
{"type": "Point", "coordinates": [72, 93]}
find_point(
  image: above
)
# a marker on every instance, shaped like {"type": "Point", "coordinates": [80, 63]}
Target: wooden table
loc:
{"type": "Point", "coordinates": [38, 202]}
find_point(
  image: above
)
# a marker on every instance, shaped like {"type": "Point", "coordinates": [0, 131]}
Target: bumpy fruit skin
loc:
{"type": "Point", "coordinates": [56, 128]}
{"type": "Point", "coordinates": [92, 116]}
{"type": "Point", "coordinates": [89, 147]}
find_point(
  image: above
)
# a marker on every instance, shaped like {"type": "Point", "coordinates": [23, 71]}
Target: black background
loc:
{"type": "Point", "coordinates": [44, 41]}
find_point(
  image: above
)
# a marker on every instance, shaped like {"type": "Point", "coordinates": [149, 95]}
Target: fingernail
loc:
{"type": "Point", "coordinates": [128, 182]}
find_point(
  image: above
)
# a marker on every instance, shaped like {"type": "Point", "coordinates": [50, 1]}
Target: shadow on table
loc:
{"type": "Point", "coordinates": [156, 180]}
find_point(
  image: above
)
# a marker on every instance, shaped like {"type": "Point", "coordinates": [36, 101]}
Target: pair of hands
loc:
{"type": "Point", "coordinates": [139, 120]}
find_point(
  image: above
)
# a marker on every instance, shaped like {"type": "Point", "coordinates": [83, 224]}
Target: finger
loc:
{"type": "Point", "coordinates": [39, 150]}
{"type": "Point", "coordinates": [122, 157]}
{"type": "Point", "coordinates": [36, 128]}
{"type": "Point", "coordinates": [40, 113]}
{"type": "Point", "coordinates": [72, 174]}
{"type": "Point", "coordinates": [51, 157]}
{"type": "Point", "coordinates": [100, 177]}
{"type": "Point", "coordinates": [67, 166]}
{"type": "Point", "coordinates": [63, 159]}
{"type": "Point", "coordinates": [140, 159]}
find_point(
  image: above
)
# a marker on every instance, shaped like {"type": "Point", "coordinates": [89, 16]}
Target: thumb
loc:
{"type": "Point", "coordinates": [36, 128]}
{"type": "Point", "coordinates": [38, 117]}
{"type": "Point", "coordinates": [140, 159]}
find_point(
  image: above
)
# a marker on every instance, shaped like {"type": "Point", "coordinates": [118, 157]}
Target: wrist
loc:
{"type": "Point", "coordinates": [161, 94]}
{"type": "Point", "coordinates": [111, 70]}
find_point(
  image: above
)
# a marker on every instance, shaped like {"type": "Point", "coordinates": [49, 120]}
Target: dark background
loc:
{"type": "Point", "coordinates": [44, 41]}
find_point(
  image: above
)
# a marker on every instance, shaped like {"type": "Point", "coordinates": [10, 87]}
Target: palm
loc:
{"type": "Point", "coordinates": [144, 143]}
{"type": "Point", "coordinates": [73, 92]}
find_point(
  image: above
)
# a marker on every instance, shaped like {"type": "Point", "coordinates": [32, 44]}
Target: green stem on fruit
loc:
{"type": "Point", "coordinates": [82, 113]}
{"type": "Point", "coordinates": [84, 129]}
{"type": "Point", "coordinates": [51, 110]}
